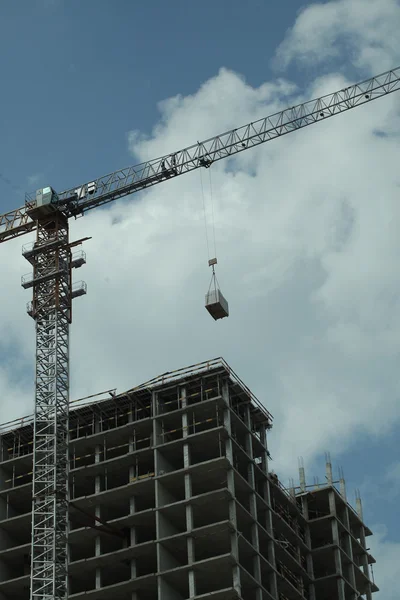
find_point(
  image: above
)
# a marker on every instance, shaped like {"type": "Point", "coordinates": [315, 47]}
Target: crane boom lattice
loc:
{"type": "Point", "coordinates": [76, 201]}
{"type": "Point", "coordinates": [203, 154]}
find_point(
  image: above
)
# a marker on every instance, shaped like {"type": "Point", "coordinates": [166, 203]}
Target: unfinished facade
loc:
{"type": "Point", "coordinates": [171, 498]}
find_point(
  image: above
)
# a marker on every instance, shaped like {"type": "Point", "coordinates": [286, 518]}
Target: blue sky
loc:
{"type": "Point", "coordinates": [81, 74]}
{"type": "Point", "coordinates": [79, 77]}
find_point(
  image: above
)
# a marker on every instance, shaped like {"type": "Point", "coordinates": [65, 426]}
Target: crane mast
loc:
{"type": "Point", "coordinates": [51, 308]}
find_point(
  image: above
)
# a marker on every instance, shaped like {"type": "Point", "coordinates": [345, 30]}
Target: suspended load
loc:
{"type": "Point", "coordinates": [216, 304]}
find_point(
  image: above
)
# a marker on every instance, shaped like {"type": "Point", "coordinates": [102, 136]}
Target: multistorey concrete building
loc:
{"type": "Point", "coordinates": [171, 498]}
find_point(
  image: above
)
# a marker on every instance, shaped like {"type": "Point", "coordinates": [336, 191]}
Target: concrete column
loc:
{"type": "Point", "coordinates": [336, 540]}
{"type": "Point", "coordinates": [4, 505]}
{"type": "Point", "coordinates": [348, 548]}
{"type": "Point", "coordinates": [156, 438]}
{"type": "Point", "coordinates": [264, 442]}
{"type": "Point", "coordinates": [97, 540]}
{"type": "Point", "coordinates": [337, 553]}
{"type": "Point", "coordinates": [253, 505]}
{"type": "Point", "coordinates": [364, 562]}
{"type": "Point", "coordinates": [164, 527]}
{"type": "Point", "coordinates": [132, 506]}
{"type": "Point", "coordinates": [231, 487]}
{"type": "Point", "coordinates": [97, 510]}
{"type": "Point", "coordinates": [273, 581]}
{"type": "Point", "coordinates": [309, 560]}
{"type": "Point", "coordinates": [3, 450]}
{"type": "Point", "coordinates": [133, 541]}
{"type": "Point", "coordinates": [188, 494]}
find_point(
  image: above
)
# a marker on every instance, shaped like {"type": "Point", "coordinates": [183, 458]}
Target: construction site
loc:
{"type": "Point", "coordinates": [172, 497]}
{"type": "Point", "coordinates": [162, 492]}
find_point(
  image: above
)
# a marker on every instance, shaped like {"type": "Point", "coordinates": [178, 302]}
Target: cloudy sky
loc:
{"type": "Point", "coordinates": [306, 227]}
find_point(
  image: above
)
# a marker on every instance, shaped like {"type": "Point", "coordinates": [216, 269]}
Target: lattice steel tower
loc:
{"type": "Point", "coordinates": [51, 308]}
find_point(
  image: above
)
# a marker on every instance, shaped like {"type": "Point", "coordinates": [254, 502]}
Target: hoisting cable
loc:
{"type": "Point", "coordinates": [211, 263]}
{"type": "Point", "coordinates": [216, 304]}
{"type": "Point", "coordinates": [212, 212]}
{"type": "Point", "coordinates": [205, 214]}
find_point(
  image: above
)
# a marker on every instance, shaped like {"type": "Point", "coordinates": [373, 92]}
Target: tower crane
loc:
{"type": "Point", "coordinates": [51, 256]}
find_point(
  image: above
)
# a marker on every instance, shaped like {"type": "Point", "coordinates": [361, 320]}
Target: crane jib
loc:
{"type": "Point", "coordinates": [76, 201]}
{"type": "Point", "coordinates": [203, 154]}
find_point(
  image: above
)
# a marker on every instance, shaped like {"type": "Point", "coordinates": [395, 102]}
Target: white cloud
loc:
{"type": "Point", "coordinates": [362, 32]}
{"type": "Point", "coordinates": [185, 120]}
{"type": "Point", "coordinates": [386, 571]}
{"type": "Point", "coordinates": [391, 481]}
{"type": "Point", "coordinates": [308, 247]}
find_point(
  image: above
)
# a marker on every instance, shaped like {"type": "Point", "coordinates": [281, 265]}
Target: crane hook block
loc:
{"type": "Point", "coordinates": [216, 304]}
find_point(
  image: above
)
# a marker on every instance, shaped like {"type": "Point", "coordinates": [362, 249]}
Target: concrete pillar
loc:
{"type": "Point", "coordinates": [231, 488]}
{"type": "Point", "coordinates": [97, 509]}
{"type": "Point", "coordinates": [273, 581]}
{"type": "Point", "coordinates": [329, 475]}
{"type": "Point", "coordinates": [133, 541]}
{"type": "Point", "coordinates": [348, 548]}
{"type": "Point", "coordinates": [264, 442]}
{"type": "Point", "coordinates": [253, 505]}
{"type": "Point", "coordinates": [97, 540]}
{"type": "Point", "coordinates": [302, 476]}
{"type": "Point", "coordinates": [364, 562]}
{"type": "Point", "coordinates": [336, 540]}
{"type": "Point", "coordinates": [342, 485]}
{"type": "Point", "coordinates": [309, 560]}
{"type": "Point", "coordinates": [3, 449]}
{"type": "Point", "coordinates": [132, 507]}
{"type": "Point", "coordinates": [157, 440]}
{"type": "Point", "coordinates": [4, 506]}
{"type": "Point", "coordinates": [188, 494]}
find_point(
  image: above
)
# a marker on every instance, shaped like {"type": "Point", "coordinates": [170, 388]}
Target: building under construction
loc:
{"type": "Point", "coordinates": [171, 497]}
